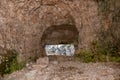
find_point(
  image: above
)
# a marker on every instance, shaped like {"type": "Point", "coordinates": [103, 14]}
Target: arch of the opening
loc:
{"type": "Point", "coordinates": [60, 40]}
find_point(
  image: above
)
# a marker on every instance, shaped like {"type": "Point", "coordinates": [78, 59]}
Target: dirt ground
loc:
{"type": "Point", "coordinates": [67, 70]}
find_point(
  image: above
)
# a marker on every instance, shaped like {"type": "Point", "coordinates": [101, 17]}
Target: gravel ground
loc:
{"type": "Point", "coordinates": [67, 70]}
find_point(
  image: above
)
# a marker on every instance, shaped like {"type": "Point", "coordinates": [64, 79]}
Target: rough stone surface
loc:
{"type": "Point", "coordinates": [69, 71]}
{"type": "Point", "coordinates": [23, 22]}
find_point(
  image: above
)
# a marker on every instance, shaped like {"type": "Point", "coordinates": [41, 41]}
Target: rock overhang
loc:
{"type": "Point", "coordinates": [26, 22]}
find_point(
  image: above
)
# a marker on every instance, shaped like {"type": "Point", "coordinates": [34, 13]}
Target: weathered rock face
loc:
{"type": "Point", "coordinates": [24, 22]}
{"type": "Point", "coordinates": [67, 71]}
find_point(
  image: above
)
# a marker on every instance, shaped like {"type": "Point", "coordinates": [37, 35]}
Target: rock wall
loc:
{"type": "Point", "coordinates": [23, 22]}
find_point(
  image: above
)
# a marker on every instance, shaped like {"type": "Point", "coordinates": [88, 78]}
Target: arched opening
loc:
{"type": "Point", "coordinates": [60, 38]}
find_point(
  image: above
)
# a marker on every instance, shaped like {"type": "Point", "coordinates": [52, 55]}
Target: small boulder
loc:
{"type": "Point", "coordinates": [42, 63]}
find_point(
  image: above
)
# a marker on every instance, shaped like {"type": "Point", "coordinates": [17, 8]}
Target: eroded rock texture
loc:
{"type": "Point", "coordinates": [23, 22]}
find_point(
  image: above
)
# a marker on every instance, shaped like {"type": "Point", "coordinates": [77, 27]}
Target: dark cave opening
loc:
{"type": "Point", "coordinates": [60, 35]}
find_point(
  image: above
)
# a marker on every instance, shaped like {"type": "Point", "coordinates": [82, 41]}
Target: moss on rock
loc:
{"type": "Point", "coordinates": [9, 62]}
